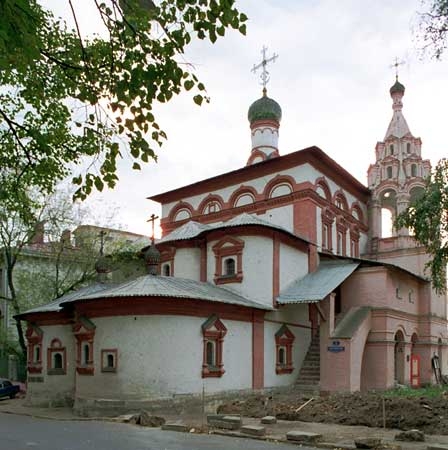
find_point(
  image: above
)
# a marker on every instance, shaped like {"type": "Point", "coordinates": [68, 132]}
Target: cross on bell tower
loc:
{"type": "Point", "coordinates": [262, 65]}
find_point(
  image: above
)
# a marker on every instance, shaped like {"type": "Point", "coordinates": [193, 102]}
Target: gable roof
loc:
{"type": "Point", "coordinates": [311, 155]}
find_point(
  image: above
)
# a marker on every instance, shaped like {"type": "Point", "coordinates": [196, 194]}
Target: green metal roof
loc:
{"type": "Point", "coordinates": [264, 108]}
{"type": "Point", "coordinates": [315, 286]}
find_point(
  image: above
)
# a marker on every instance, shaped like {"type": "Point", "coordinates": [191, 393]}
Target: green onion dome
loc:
{"type": "Point", "coordinates": [396, 88]}
{"type": "Point", "coordinates": [264, 108]}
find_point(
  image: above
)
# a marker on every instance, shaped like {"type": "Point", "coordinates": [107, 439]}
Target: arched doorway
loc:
{"type": "Point", "coordinates": [399, 357]}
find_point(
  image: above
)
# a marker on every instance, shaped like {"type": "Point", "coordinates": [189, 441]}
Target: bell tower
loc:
{"type": "Point", "coordinates": [397, 176]}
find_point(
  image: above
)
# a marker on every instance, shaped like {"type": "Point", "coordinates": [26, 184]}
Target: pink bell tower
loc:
{"type": "Point", "coordinates": [397, 176]}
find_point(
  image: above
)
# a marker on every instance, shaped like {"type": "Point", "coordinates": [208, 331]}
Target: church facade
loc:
{"type": "Point", "coordinates": [274, 274]}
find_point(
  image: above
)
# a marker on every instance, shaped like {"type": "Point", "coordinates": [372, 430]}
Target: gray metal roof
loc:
{"type": "Point", "coordinates": [315, 286]}
{"type": "Point", "coordinates": [193, 229]}
{"type": "Point", "coordinates": [55, 305]}
{"type": "Point", "coordinates": [158, 286]}
{"type": "Point", "coordinates": [188, 230]}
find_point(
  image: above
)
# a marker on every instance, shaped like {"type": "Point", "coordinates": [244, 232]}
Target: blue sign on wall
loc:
{"type": "Point", "coordinates": [335, 347]}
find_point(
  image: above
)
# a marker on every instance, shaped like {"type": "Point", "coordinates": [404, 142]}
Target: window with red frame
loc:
{"type": "Point", "coordinates": [284, 340]}
{"type": "Point", "coordinates": [56, 358]}
{"type": "Point", "coordinates": [228, 260]}
{"type": "Point", "coordinates": [84, 331]}
{"type": "Point", "coordinates": [213, 332]}
{"type": "Point", "coordinates": [34, 337]}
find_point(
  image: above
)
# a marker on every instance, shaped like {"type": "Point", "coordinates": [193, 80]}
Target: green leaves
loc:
{"type": "Point", "coordinates": [427, 216]}
{"type": "Point", "coordinates": [69, 100]}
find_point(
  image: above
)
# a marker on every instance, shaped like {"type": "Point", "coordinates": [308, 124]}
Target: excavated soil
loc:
{"type": "Point", "coordinates": [428, 414]}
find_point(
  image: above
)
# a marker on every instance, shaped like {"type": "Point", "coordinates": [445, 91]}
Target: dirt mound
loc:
{"type": "Point", "coordinates": [429, 415]}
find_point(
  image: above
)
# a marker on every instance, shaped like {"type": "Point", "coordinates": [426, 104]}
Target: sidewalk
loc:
{"type": "Point", "coordinates": [336, 436]}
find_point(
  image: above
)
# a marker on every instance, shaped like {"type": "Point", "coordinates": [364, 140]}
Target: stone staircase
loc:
{"type": "Point", "coordinates": [309, 375]}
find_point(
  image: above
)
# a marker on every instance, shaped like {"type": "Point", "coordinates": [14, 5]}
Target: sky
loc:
{"type": "Point", "coordinates": [332, 80]}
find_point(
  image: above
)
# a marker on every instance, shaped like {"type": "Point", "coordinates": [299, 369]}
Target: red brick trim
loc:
{"type": "Point", "coordinates": [228, 247]}
{"type": "Point", "coordinates": [143, 306]}
{"type": "Point", "coordinates": [179, 206]}
{"type": "Point", "coordinates": [237, 193]}
{"type": "Point", "coordinates": [322, 183]}
{"type": "Point", "coordinates": [276, 181]}
{"type": "Point", "coordinates": [210, 198]}
{"type": "Point", "coordinates": [340, 196]}
{"type": "Point", "coordinates": [356, 207]}
{"type": "Point", "coordinates": [257, 351]}
{"type": "Point", "coordinates": [34, 337]}
{"type": "Point", "coordinates": [56, 348]}
{"type": "Point", "coordinates": [275, 269]}
{"type": "Point", "coordinates": [213, 331]}
{"type": "Point", "coordinates": [284, 339]}
{"type": "Point", "coordinates": [256, 153]}
{"type": "Point", "coordinates": [104, 356]}
{"type": "Point", "coordinates": [305, 219]}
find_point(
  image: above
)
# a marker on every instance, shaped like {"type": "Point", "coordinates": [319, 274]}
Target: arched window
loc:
{"type": "Point", "coordinates": [110, 360]}
{"type": "Point", "coordinates": [166, 270]}
{"type": "Point", "coordinates": [389, 172]}
{"type": "Point", "coordinates": [391, 149]}
{"type": "Point", "coordinates": [229, 266]}
{"type": "Point", "coordinates": [282, 355]}
{"type": "Point", "coordinates": [182, 214]}
{"type": "Point", "coordinates": [408, 148]}
{"type": "Point", "coordinates": [244, 199]}
{"type": "Point", "coordinates": [57, 361]}
{"type": "Point", "coordinates": [281, 189]}
{"type": "Point", "coordinates": [414, 170]}
{"type": "Point", "coordinates": [56, 358]}
{"type": "Point", "coordinates": [37, 353]}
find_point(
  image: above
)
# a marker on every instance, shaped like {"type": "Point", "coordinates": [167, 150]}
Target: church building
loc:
{"type": "Point", "coordinates": [274, 274]}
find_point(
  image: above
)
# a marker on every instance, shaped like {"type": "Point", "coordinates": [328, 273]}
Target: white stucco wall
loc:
{"type": "Point", "coordinates": [55, 390]}
{"type": "Point", "coordinates": [293, 265]}
{"type": "Point", "coordinates": [159, 356]}
{"type": "Point", "coordinates": [283, 216]}
{"type": "Point", "coordinates": [297, 314]}
{"type": "Point", "coordinates": [187, 263]}
{"type": "Point", "coordinates": [257, 268]}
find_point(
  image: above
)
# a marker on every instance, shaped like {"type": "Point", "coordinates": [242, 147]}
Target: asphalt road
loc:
{"type": "Point", "coordinates": [27, 433]}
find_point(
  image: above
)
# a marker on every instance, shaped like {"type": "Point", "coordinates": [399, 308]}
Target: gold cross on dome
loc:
{"type": "Point", "coordinates": [396, 64]}
{"type": "Point", "coordinates": [152, 219]}
{"type": "Point", "coordinates": [262, 65]}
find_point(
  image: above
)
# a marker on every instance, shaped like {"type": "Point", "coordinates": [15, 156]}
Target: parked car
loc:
{"type": "Point", "coordinates": [7, 389]}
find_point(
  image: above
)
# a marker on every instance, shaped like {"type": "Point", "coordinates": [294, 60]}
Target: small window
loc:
{"type": "Point", "coordinates": [282, 356]}
{"type": "Point", "coordinates": [213, 331]}
{"type": "Point", "coordinates": [166, 270]}
{"type": "Point", "coordinates": [85, 354]}
{"type": "Point", "coordinates": [414, 170]}
{"type": "Point", "coordinates": [56, 358]}
{"type": "Point", "coordinates": [391, 149]}
{"type": "Point", "coordinates": [212, 207]}
{"type": "Point", "coordinates": [389, 172]}
{"type": "Point", "coordinates": [284, 340]}
{"type": "Point", "coordinates": [109, 360]}
{"type": "Point", "coordinates": [57, 361]}
{"type": "Point", "coordinates": [36, 357]}
{"type": "Point", "coordinates": [229, 267]}
{"type": "Point", "coordinates": [211, 354]}
{"type": "Point", "coordinates": [408, 148]}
